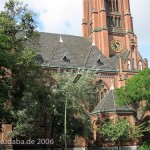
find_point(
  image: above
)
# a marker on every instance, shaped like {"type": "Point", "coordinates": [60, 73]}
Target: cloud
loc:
{"type": "Point", "coordinates": [65, 16]}
{"type": "Point", "coordinates": [59, 16]}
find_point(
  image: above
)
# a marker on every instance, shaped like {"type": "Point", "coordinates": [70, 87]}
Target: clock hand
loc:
{"type": "Point", "coordinates": [118, 46]}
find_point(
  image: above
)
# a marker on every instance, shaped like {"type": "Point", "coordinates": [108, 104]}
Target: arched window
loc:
{"type": "Point", "coordinates": [140, 67]}
{"type": "Point", "coordinates": [129, 64]}
{"type": "Point", "coordinates": [106, 4]}
{"type": "Point", "coordinates": [117, 6]}
{"type": "Point", "coordinates": [111, 21]}
{"type": "Point", "coordinates": [116, 21]}
{"type": "Point", "coordinates": [108, 21]}
{"type": "Point", "coordinates": [114, 6]}
{"type": "Point", "coordinates": [119, 22]}
{"type": "Point", "coordinates": [105, 92]}
{"type": "Point", "coordinates": [109, 5]}
{"type": "Point", "coordinates": [133, 55]}
{"type": "Point", "coordinates": [101, 90]}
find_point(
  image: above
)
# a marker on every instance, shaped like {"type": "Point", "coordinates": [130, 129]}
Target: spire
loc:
{"type": "Point", "coordinates": [60, 40]}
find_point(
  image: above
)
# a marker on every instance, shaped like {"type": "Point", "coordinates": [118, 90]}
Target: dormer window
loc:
{"type": "Point", "coordinates": [99, 62]}
{"type": "Point", "coordinates": [66, 59]}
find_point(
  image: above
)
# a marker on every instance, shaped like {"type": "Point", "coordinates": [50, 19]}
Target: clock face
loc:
{"type": "Point", "coordinates": [116, 45]}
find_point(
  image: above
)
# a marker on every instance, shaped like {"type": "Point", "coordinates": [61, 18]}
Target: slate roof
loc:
{"type": "Point", "coordinates": [79, 52]}
{"type": "Point", "coordinates": [108, 104]}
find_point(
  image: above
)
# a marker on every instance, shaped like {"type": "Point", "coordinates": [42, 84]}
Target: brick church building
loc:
{"type": "Point", "coordinates": [109, 46]}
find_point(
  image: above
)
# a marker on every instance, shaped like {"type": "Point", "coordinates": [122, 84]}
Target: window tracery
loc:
{"type": "Point", "coordinates": [114, 21]}
{"type": "Point", "coordinates": [112, 5]}
{"type": "Point", "coordinates": [101, 90]}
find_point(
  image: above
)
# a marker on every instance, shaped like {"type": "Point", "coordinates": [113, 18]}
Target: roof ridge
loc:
{"type": "Point", "coordinates": [63, 34]}
{"type": "Point", "coordinates": [114, 99]}
{"type": "Point", "coordinates": [53, 52]}
{"type": "Point", "coordinates": [88, 55]}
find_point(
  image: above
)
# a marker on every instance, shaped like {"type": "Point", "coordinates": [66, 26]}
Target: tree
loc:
{"type": "Point", "coordinates": [15, 19]}
{"type": "Point", "coordinates": [19, 69]}
{"type": "Point", "coordinates": [79, 97]}
{"type": "Point", "coordinates": [120, 130]}
{"type": "Point", "coordinates": [137, 88]}
{"type": "Point", "coordinates": [47, 108]}
{"type": "Point", "coordinates": [36, 97]}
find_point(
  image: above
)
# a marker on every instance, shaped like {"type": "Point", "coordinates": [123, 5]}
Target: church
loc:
{"type": "Point", "coordinates": [108, 46]}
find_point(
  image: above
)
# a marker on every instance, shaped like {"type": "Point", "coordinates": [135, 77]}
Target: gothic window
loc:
{"type": "Point", "coordinates": [101, 90]}
{"type": "Point", "coordinates": [109, 5]}
{"type": "Point", "coordinates": [105, 92]}
{"type": "Point", "coordinates": [132, 51]}
{"type": "Point", "coordinates": [112, 5]}
{"type": "Point", "coordinates": [117, 6]}
{"type": "Point", "coordinates": [140, 65]}
{"type": "Point", "coordinates": [102, 95]}
{"type": "Point", "coordinates": [116, 21]}
{"type": "Point", "coordinates": [108, 21]}
{"type": "Point", "coordinates": [111, 22]}
{"type": "Point", "coordinates": [106, 4]}
{"type": "Point", "coordinates": [129, 64]}
{"type": "Point", "coordinates": [119, 22]}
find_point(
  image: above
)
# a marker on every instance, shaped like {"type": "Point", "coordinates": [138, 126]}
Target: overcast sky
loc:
{"type": "Point", "coordinates": [65, 16]}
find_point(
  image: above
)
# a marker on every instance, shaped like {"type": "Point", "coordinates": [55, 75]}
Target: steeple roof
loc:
{"type": "Point", "coordinates": [108, 104]}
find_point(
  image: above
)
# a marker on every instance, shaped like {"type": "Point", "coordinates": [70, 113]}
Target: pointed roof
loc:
{"type": "Point", "coordinates": [108, 104]}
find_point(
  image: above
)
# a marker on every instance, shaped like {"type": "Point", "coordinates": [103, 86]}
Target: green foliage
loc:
{"type": "Point", "coordinates": [137, 88]}
{"type": "Point", "coordinates": [14, 19]}
{"type": "Point", "coordinates": [145, 146]}
{"type": "Point", "coordinates": [79, 96]}
{"type": "Point", "coordinates": [121, 130]}
{"type": "Point", "coordinates": [37, 98]}
{"type": "Point", "coordinates": [115, 131]}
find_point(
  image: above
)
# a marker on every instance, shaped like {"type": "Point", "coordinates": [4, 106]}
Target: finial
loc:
{"type": "Point", "coordinates": [127, 12]}
{"type": "Point", "coordinates": [112, 84]}
{"type": "Point", "coordinates": [93, 44]}
{"type": "Point", "coordinates": [103, 8]}
{"type": "Point", "coordinates": [60, 40]}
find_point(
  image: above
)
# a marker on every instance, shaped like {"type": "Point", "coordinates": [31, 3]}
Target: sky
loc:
{"type": "Point", "coordinates": [65, 17]}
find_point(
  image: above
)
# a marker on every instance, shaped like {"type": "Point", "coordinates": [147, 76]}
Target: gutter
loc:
{"type": "Point", "coordinates": [66, 67]}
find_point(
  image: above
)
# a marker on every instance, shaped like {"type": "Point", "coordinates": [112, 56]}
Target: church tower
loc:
{"type": "Point", "coordinates": [109, 24]}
